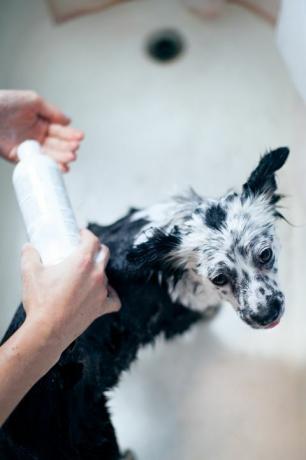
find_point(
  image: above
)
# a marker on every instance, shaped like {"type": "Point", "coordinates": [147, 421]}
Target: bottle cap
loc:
{"type": "Point", "coordinates": [27, 148]}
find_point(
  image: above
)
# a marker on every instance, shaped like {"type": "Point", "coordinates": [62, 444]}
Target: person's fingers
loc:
{"type": "Point", "coordinates": [62, 152]}
{"type": "Point", "coordinates": [30, 259]}
{"type": "Point", "coordinates": [61, 145]}
{"type": "Point", "coordinates": [112, 303]}
{"type": "Point", "coordinates": [39, 130]}
{"type": "Point", "coordinates": [65, 132]}
{"type": "Point", "coordinates": [62, 158]}
{"type": "Point", "coordinates": [90, 244]}
{"type": "Point", "coordinates": [52, 113]}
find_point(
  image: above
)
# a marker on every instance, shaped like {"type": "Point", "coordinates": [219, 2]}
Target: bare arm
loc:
{"type": "Point", "coordinates": [60, 302]}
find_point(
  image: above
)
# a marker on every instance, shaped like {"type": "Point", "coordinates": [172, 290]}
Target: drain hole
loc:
{"type": "Point", "coordinates": [165, 45]}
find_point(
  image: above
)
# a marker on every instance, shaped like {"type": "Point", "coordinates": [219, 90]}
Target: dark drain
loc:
{"type": "Point", "coordinates": [165, 45]}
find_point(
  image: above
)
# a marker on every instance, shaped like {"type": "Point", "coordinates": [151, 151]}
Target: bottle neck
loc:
{"type": "Point", "coordinates": [28, 148]}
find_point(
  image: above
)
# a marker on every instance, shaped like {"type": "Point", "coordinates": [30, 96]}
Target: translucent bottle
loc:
{"type": "Point", "coordinates": [44, 203]}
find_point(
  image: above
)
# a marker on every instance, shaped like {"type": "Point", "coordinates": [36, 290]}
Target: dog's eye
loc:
{"type": "Point", "coordinates": [220, 280]}
{"type": "Point", "coordinates": [265, 256]}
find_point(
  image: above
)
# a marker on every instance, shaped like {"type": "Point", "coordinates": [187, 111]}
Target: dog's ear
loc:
{"type": "Point", "coordinates": [155, 253]}
{"type": "Point", "coordinates": [262, 180]}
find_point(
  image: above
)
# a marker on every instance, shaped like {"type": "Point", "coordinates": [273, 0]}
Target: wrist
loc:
{"type": "Point", "coordinates": [25, 358]}
{"type": "Point", "coordinates": [42, 339]}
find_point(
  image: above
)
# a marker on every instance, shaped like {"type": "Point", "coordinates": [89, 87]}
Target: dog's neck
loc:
{"type": "Point", "coordinates": [189, 288]}
{"type": "Point", "coordinates": [193, 292]}
{"type": "Point", "coordinates": [168, 215]}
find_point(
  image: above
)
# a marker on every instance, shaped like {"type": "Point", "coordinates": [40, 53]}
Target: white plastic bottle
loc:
{"type": "Point", "coordinates": [44, 203]}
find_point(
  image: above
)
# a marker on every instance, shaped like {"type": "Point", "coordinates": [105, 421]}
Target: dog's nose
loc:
{"type": "Point", "coordinates": [271, 314]}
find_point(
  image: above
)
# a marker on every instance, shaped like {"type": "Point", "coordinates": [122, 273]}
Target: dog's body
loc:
{"type": "Point", "coordinates": [171, 265]}
{"type": "Point", "coordinates": [65, 415]}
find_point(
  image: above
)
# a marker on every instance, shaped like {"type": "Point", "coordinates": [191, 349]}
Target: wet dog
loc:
{"type": "Point", "coordinates": [172, 265]}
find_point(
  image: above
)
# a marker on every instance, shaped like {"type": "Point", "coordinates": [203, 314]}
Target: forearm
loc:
{"type": "Point", "coordinates": [60, 301]}
{"type": "Point", "coordinates": [24, 358]}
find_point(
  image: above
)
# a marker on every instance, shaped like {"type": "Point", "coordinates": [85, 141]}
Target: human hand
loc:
{"type": "Point", "coordinates": [25, 115]}
{"type": "Point", "coordinates": [64, 299]}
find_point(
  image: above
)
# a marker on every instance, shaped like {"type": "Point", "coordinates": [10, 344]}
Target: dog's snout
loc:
{"type": "Point", "coordinates": [275, 307]}
{"type": "Point", "coordinates": [270, 315]}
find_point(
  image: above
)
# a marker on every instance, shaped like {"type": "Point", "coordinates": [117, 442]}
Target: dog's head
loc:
{"type": "Point", "coordinates": [230, 241]}
{"type": "Point", "coordinates": [239, 255]}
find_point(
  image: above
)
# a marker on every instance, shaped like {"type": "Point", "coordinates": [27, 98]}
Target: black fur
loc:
{"type": "Point", "coordinates": [215, 217]}
{"type": "Point", "coordinates": [65, 415]}
{"type": "Point", "coordinates": [154, 254]}
{"type": "Point", "coordinates": [262, 179]}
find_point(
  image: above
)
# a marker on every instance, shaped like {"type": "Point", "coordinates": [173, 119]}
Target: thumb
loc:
{"type": "Point", "coordinates": [30, 259]}
{"type": "Point", "coordinates": [52, 113]}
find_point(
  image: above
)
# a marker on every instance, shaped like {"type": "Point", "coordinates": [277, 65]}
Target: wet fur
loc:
{"type": "Point", "coordinates": [163, 260]}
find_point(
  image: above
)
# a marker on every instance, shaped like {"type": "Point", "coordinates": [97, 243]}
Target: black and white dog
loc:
{"type": "Point", "coordinates": [172, 264]}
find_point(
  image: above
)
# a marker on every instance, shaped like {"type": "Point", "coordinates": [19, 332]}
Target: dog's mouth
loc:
{"type": "Point", "coordinates": [274, 324]}
{"type": "Point", "coordinates": [257, 325]}
{"type": "Point", "coordinates": [267, 315]}
{"type": "Point", "coordinates": [269, 320]}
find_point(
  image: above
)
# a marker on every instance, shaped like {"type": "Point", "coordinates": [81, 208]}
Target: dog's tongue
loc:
{"type": "Point", "coordinates": [274, 324]}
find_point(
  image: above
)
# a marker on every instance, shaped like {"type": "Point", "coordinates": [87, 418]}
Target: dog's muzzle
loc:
{"type": "Point", "coordinates": [269, 316]}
